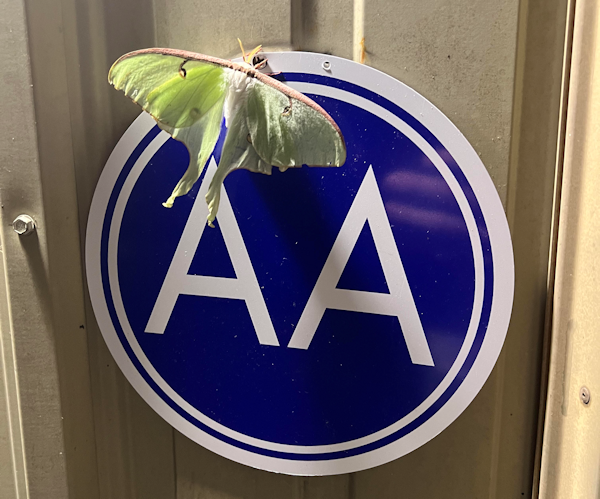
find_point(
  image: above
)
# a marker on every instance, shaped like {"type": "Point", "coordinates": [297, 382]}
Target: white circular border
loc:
{"type": "Point", "coordinates": [499, 235]}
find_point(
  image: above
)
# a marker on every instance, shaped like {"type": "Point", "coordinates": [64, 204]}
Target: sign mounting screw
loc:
{"type": "Point", "coordinates": [23, 225]}
{"type": "Point", "coordinates": [585, 395]}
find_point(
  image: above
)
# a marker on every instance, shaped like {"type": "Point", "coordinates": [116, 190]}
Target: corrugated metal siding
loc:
{"type": "Point", "coordinates": [492, 66]}
{"type": "Point", "coordinates": [571, 452]}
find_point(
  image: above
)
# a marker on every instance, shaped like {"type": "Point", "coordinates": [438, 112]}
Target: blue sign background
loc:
{"type": "Point", "coordinates": [356, 377]}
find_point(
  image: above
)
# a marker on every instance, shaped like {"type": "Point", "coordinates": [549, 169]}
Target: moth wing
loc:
{"type": "Point", "coordinates": [237, 153]}
{"type": "Point", "coordinates": [185, 96]}
{"type": "Point", "coordinates": [175, 91]}
{"type": "Point", "coordinates": [200, 140]}
{"type": "Point", "coordinates": [288, 131]}
{"type": "Point", "coordinates": [274, 129]}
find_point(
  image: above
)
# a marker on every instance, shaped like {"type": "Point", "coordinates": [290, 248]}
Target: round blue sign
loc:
{"type": "Point", "coordinates": [336, 318]}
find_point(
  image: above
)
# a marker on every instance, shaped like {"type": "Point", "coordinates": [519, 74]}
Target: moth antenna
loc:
{"type": "Point", "coordinates": [242, 49]}
{"type": "Point", "coordinates": [254, 52]}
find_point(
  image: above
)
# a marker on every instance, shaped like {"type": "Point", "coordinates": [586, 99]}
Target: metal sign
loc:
{"type": "Point", "coordinates": [336, 318]}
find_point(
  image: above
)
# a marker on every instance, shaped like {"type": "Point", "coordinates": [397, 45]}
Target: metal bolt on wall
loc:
{"type": "Point", "coordinates": [23, 225]}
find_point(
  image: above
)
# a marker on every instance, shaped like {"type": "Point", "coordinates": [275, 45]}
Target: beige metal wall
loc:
{"type": "Point", "coordinates": [571, 450]}
{"type": "Point", "coordinates": [70, 425]}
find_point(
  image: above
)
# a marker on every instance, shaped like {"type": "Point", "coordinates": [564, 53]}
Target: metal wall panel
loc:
{"type": "Point", "coordinates": [29, 342]}
{"type": "Point", "coordinates": [492, 66]}
{"type": "Point", "coordinates": [571, 447]}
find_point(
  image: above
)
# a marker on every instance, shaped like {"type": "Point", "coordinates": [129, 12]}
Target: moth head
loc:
{"type": "Point", "coordinates": [257, 62]}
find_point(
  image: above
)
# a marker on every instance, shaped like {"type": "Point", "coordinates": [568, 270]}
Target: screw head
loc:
{"type": "Point", "coordinates": [584, 395]}
{"type": "Point", "coordinates": [23, 225]}
{"type": "Point", "coordinates": [326, 65]}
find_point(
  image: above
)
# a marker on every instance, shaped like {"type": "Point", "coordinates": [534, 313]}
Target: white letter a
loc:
{"type": "Point", "coordinates": [367, 205]}
{"type": "Point", "coordinates": [243, 287]}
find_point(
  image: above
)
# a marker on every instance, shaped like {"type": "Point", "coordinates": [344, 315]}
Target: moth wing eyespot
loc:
{"type": "Point", "coordinates": [287, 110]}
{"type": "Point", "coordinates": [182, 71]}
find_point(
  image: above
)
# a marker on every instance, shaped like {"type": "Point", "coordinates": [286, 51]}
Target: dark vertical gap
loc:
{"type": "Point", "coordinates": [296, 25]}
{"type": "Point", "coordinates": [174, 440]}
{"type": "Point", "coordinates": [303, 24]}
{"type": "Point", "coordinates": [351, 486]}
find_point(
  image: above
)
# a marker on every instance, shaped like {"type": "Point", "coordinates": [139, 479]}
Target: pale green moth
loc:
{"type": "Point", "coordinates": [268, 123]}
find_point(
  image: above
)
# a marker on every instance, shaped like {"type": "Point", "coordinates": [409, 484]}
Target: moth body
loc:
{"type": "Point", "coordinates": [239, 86]}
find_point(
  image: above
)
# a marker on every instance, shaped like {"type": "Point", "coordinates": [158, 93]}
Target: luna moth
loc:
{"type": "Point", "coordinates": [268, 123]}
